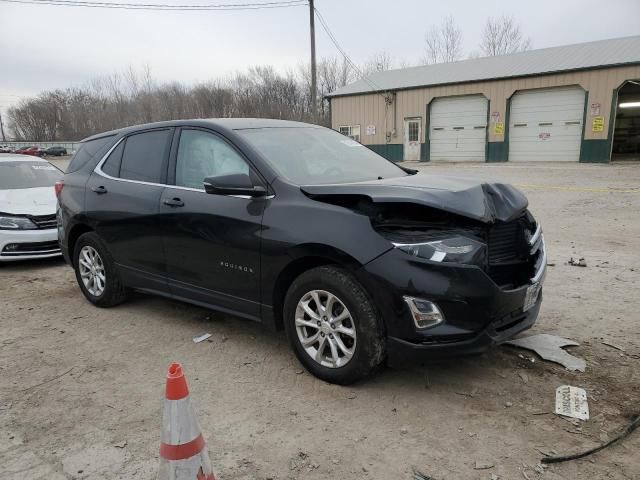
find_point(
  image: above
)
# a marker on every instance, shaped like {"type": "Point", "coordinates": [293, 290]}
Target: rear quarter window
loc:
{"type": "Point", "coordinates": [88, 150]}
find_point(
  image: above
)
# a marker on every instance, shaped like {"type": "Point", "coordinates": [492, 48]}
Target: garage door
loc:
{"type": "Point", "coordinates": [546, 125]}
{"type": "Point", "coordinates": [458, 129]}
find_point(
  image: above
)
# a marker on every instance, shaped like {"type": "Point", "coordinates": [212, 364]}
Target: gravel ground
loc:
{"type": "Point", "coordinates": [81, 388]}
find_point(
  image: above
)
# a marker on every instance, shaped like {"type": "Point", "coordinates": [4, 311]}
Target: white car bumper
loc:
{"type": "Point", "coordinates": [28, 244]}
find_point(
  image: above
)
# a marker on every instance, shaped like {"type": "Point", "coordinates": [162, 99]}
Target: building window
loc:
{"type": "Point", "coordinates": [351, 131]}
{"type": "Point", "coordinates": [414, 131]}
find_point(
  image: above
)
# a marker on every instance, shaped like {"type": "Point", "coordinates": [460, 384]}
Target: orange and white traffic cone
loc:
{"type": "Point", "coordinates": [183, 452]}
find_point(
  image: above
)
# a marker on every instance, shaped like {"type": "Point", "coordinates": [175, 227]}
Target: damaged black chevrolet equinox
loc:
{"type": "Point", "coordinates": [298, 227]}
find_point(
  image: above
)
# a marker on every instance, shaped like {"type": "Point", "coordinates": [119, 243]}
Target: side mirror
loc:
{"type": "Point", "coordinates": [236, 184]}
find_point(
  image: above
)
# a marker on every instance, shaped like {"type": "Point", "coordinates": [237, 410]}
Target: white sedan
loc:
{"type": "Point", "coordinates": [28, 226]}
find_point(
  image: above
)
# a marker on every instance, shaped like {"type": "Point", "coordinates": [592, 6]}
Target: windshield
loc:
{"type": "Point", "coordinates": [27, 174]}
{"type": "Point", "coordinates": [312, 156]}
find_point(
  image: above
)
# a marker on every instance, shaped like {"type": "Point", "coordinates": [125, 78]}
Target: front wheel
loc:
{"type": "Point", "coordinates": [96, 272]}
{"type": "Point", "coordinates": [333, 326]}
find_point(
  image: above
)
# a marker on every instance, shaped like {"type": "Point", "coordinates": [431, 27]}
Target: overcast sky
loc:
{"type": "Point", "coordinates": [47, 47]}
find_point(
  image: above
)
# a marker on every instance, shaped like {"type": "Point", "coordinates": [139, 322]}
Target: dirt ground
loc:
{"type": "Point", "coordinates": [81, 388]}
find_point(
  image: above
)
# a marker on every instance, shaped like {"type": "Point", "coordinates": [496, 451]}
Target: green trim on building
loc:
{"type": "Point", "coordinates": [390, 151]}
{"type": "Point", "coordinates": [497, 151]}
{"type": "Point", "coordinates": [595, 151]}
{"type": "Point", "coordinates": [584, 124]}
{"type": "Point", "coordinates": [599, 151]}
{"type": "Point", "coordinates": [424, 151]}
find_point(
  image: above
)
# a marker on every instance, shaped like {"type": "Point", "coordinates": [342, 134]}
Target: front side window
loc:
{"type": "Point", "coordinates": [143, 156]}
{"type": "Point", "coordinates": [201, 155]}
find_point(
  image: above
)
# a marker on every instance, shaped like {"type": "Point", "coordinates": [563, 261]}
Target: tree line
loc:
{"type": "Point", "coordinates": [133, 97]}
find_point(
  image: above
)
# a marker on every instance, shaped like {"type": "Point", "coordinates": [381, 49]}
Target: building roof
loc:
{"type": "Point", "coordinates": [580, 56]}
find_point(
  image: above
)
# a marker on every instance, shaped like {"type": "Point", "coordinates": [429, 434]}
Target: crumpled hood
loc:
{"type": "Point", "coordinates": [469, 197]}
{"type": "Point", "coordinates": [28, 201]}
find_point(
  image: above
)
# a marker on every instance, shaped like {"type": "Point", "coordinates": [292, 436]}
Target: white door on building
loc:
{"type": "Point", "coordinates": [412, 135]}
{"type": "Point", "coordinates": [546, 125]}
{"type": "Point", "coordinates": [458, 129]}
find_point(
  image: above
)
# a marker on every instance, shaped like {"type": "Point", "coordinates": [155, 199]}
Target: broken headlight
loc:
{"type": "Point", "coordinates": [455, 249]}
{"type": "Point", "coordinates": [16, 223]}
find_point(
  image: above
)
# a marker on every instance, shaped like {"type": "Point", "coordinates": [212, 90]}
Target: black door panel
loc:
{"type": "Point", "coordinates": [212, 245]}
{"type": "Point", "coordinates": [125, 216]}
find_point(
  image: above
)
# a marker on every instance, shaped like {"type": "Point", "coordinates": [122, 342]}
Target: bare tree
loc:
{"type": "Point", "coordinates": [133, 97]}
{"type": "Point", "coordinates": [443, 44]}
{"type": "Point", "coordinates": [378, 62]}
{"type": "Point", "coordinates": [501, 36]}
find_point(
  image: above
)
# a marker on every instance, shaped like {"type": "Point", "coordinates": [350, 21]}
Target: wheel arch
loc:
{"type": "Point", "coordinates": [73, 236]}
{"type": "Point", "coordinates": [304, 258]}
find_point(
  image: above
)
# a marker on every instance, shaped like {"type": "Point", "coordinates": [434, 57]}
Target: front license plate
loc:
{"type": "Point", "coordinates": [531, 297]}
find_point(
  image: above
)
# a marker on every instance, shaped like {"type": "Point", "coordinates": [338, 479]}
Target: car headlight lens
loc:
{"type": "Point", "coordinates": [16, 223]}
{"type": "Point", "coordinates": [456, 249]}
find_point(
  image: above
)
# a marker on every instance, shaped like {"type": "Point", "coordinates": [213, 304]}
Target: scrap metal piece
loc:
{"type": "Point", "coordinates": [549, 347]}
{"type": "Point", "coordinates": [635, 423]}
{"type": "Point", "coordinates": [572, 402]}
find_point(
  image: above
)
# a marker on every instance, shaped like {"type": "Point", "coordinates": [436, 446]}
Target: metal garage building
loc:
{"type": "Point", "coordinates": [572, 103]}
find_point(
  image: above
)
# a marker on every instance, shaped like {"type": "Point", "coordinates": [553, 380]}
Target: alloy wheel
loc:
{"type": "Point", "coordinates": [92, 270]}
{"type": "Point", "coordinates": [325, 328]}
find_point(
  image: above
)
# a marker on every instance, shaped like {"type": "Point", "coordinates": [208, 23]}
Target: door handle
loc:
{"type": "Point", "coordinates": [99, 190]}
{"type": "Point", "coordinates": [173, 202]}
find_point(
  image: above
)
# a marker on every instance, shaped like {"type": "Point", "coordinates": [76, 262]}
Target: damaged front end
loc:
{"type": "Point", "coordinates": [452, 283]}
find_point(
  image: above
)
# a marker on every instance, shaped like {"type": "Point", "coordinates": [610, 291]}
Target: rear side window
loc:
{"type": "Point", "coordinates": [87, 151]}
{"type": "Point", "coordinates": [143, 156]}
{"type": "Point", "coordinates": [112, 165]}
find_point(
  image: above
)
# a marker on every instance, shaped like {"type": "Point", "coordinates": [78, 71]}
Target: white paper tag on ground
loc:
{"type": "Point", "coordinates": [201, 338]}
{"type": "Point", "coordinates": [572, 402]}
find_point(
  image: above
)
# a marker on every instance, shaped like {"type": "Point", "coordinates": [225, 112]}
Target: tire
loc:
{"type": "Point", "coordinates": [351, 303]}
{"type": "Point", "coordinates": [113, 292]}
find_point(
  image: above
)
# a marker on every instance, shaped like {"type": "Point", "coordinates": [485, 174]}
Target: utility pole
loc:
{"type": "Point", "coordinates": [312, 29]}
{"type": "Point", "coordinates": [2, 128]}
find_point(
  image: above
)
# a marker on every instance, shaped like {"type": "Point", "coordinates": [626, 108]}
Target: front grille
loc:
{"type": "Point", "coordinates": [30, 248]}
{"type": "Point", "coordinates": [511, 263]}
{"type": "Point", "coordinates": [44, 221]}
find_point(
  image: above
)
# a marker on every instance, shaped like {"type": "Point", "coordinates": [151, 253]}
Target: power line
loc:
{"type": "Point", "coordinates": [163, 7]}
{"type": "Point", "coordinates": [333, 39]}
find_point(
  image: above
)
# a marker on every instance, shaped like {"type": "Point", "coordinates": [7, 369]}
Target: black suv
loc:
{"type": "Point", "coordinates": [55, 151]}
{"type": "Point", "coordinates": [299, 227]}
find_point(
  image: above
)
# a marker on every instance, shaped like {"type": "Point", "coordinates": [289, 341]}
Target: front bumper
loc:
{"type": "Point", "coordinates": [478, 313]}
{"type": "Point", "coordinates": [28, 244]}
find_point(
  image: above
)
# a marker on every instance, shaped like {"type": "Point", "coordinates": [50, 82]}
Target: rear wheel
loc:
{"type": "Point", "coordinates": [96, 272]}
{"type": "Point", "coordinates": [333, 325]}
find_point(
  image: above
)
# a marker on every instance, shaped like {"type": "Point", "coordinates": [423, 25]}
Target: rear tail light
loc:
{"type": "Point", "coordinates": [59, 185]}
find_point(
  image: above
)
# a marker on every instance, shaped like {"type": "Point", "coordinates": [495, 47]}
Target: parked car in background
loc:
{"type": "Point", "coordinates": [5, 149]}
{"type": "Point", "coordinates": [55, 151]}
{"type": "Point", "coordinates": [33, 151]}
{"type": "Point", "coordinates": [28, 226]}
{"type": "Point", "coordinates": [297, 227]}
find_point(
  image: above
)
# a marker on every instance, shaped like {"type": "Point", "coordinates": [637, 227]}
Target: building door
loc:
{"type": "Point", "coordinates": [546, 125]}
{"type": "Point", "coordinates": [412, 134]}
{"type": "Point", "coordinates": [458, 129]}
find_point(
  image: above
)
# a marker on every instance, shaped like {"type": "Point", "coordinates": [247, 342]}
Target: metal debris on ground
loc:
{"type": "Point", "coordinates": [201, 338]}
{"type": "Point", "coordinates": [418, 475]}
{"type": "Point", "coordinates": [613, 345]}
{"type": "Point", "coordinates": [581, 262]}
{"type": "Point", "coordinates": [549, 347]}
{"type": "Point", "coordinates": [572, 402]}
{"type": "Point", "coordinates": [635, 423]}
